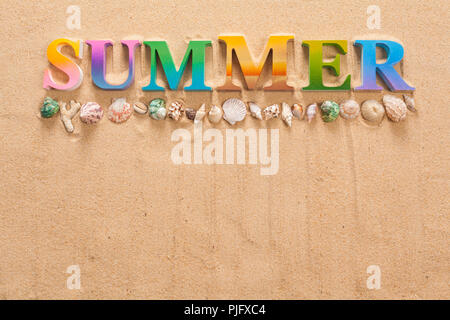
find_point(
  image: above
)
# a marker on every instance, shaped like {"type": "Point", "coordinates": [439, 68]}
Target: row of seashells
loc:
{"type": "Point", "coordinates": [233, 110]}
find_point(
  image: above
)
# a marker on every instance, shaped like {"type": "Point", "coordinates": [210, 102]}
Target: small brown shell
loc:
{"type": "Point", "coordinates": [395, 108]}
{"type": "Point", "coordinates": [190, 113]}
{"type": "Point", "coordinates": [410, 104]}
{"type": "Point", "coordinates": [298, 111]}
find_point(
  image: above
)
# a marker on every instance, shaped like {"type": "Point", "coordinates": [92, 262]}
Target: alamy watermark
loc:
{"type": "Point", "coordinates": [212, 147]}
{"type": "Point", "coordinates": [374, 18]}
{"type": "Point", "coordinates": [374, 280]}
{"type": "Point", "coordinates": [73, 21]}
{"type": "Point", "coordinates": [74, 280]}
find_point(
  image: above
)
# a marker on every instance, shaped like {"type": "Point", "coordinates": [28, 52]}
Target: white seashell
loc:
{"type": "Point", "coordinates": [175, 110]}
{"type": "Point", "coordinates": [298, 111]}
{"type": "Point", "coordinates": [200, 114]}
{"type": "Point", "coordinates": [311, 112]}
{"type": "Point", "coordinates": [215, 114]}
{"type": "Point", "coordinates": [272, 111]}
{"type": "Point", "coordinates": [67, 115]}
{"type": "Point", "coordinates": [119, 111]}
{"type": "Point", "coordinates": [255, 110]}
{"type": "Point", "coordinates": [140, 108]}
{"type": "Point", "coordinates": [372, 110]}
{"type": "Point", "coordinates": [349, 109]}
{"type": "Point", "coordinates": [91, 113]}
{"type": "Point", "coordinates": [286, 114]}
{"type": "Point", "coordinates": [234, 110]}
{"type": "Point", "coordinates": [410, 104]}
{"type": "Point", "coordinates": [395, 108]}
{"type": "Point", "coordinates": [161, 114]}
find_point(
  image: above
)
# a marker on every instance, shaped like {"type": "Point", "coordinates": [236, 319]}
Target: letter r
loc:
{"type": "Point", "coordinates": [370, 68]}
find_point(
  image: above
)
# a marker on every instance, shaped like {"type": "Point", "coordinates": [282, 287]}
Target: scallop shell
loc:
{"type": "Point", "coordinates": [298, 111]}
{"type": "Point", "coordinates": [157, 109]}
{"type": "Point", "coordinates": [272, 111]}
{"type": "Point", "coordinates": [372, 111]}
{"type": "Point", "coordinates": [395, 108]}
{"type": "Point", "coordinates": [286, 114]}
{"type": "Point", "coordinates": [234, 110]}
{"type": "Point", "coordinates": [410, 104]}
{"type": "Point", "coordinates": [255, 110]}
{"type": "Point", "coordinates": [175, 110]}
{"type": "Point", "coordinates": [201, 113]}
{"type": "Point", "coordinates": [49, 108]}
{"type": "Point", "coordinates": [330, 111]}
{"type": "Point", "coordinates": [119, 111]}
{"type": "Point", "coordinates": [190, 113]}
{"type": "Point", "coordinates": [215, 114]}
{"type": "Point", "coordinates": [91, 113]}
{"type": "Point", "coordinates": [311, 112]}
{"type": "Point", "coordinates": [68, 114]}
{"type": "Point", "coordinates": [140, 108]}
{"type": "Point", "coordinates": [349, 109]}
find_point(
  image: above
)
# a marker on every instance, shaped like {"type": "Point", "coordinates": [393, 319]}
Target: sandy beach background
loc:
{"type": "Point", "coordinates": [109, 199]}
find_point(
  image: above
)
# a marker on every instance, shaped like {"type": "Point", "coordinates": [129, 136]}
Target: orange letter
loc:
{"type": "Point", "coordinates": [251, 71]}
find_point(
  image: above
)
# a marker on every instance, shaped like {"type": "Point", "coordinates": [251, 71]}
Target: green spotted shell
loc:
{"type": "Point", "coordinates": [157, 109]}
{"type": "Point", "coordinates": [330, 111]}
{"type": "Point", "coordinates": [49, 108]}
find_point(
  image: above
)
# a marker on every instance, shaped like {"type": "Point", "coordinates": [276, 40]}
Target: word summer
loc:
{"type": "Point", "coordinates": [236, 46]}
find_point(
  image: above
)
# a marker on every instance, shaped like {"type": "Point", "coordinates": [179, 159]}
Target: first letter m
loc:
{"type": "Point", "coordinates": [196, 50]}
{"type": "Point", "coordinates": [276, 44]}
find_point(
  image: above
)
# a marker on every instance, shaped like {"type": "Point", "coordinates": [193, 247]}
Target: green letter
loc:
{"type": "Point", "coordinates": [316, 64]}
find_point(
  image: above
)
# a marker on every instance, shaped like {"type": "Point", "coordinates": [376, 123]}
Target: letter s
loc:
{"type": "Point", "coordinates": [56, 58]}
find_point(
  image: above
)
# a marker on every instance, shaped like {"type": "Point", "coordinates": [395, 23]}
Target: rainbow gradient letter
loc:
{"type": "Point", "coordinates": [251, 71]}
{"type": "Point", "coordinates": [316, 64]}
{"type": "Point", "coordinates": [370, 68]}
{"type": "Point", "coordinates": [98, 68]}
{"type": "Point", "coordinates": [196, 50]}
{"type": "Point", "coordinates": [56, 58]}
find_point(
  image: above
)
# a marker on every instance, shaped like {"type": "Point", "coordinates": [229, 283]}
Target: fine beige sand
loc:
{"type": "Point", "coordinates": [109, 199]}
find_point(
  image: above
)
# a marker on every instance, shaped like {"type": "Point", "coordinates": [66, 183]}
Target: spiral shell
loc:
{"type": "Point", "coordinates": [119, 111]}
{"type": "Point", "coordinates": [49, 108]}
{"type": "Point", "coordinates": [215, 114]}
{"type": "Point", "coordinates": [349, 109]}
{"type": "Point", "coordinates": [157, 109]}
{"type": "Point", "coordinates": [330, 111]}
{"type": "Point", "coordinates": [91, 113]}
{"type": "Point", "coordinates": [372, 111]}
{"type": "Point", "coordinates": [201, 113]}
{"type": "Point", "coordinates": [410, 104]}
{"type": "Point", "coordinates": [175, 110]}
{"type": "Point", "coordinates": [272, 111]}
{"type": "Point", "coordinates": [234, 110]}
{"type": "Point", "coordinates": [286, 114]}
{"type": "Point", "coordinates": [311, 112]}
{"type": "Point", "coordinates": [395, 108]}
{"type": "Point", "coordinates": [298, 111]}
{"type": "Point", "coordinates": [255, 110]}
